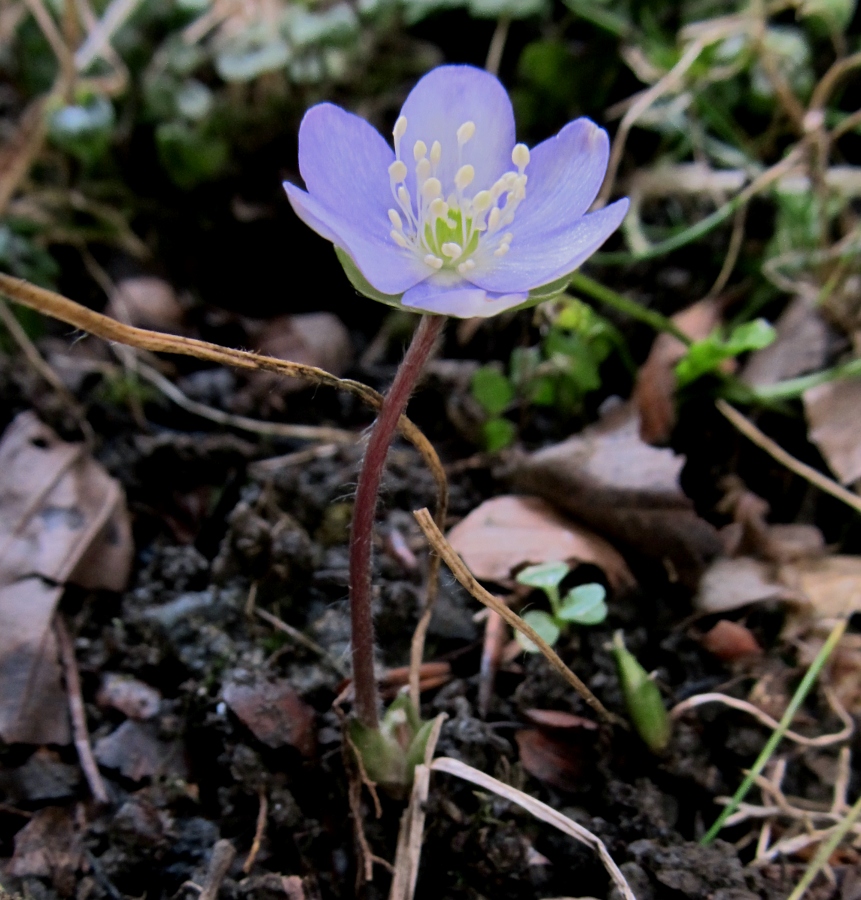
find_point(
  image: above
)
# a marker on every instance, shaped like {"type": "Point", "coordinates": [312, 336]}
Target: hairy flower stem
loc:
{"type": "Point", "coordinates": [364, 511]}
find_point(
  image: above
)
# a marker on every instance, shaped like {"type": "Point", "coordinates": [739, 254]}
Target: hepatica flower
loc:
{"type": "Point", "coordinates": [457, 219]}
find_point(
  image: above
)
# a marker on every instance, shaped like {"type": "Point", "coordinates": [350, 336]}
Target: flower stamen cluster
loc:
{"type": "Point", "coordinates": [447, 230]}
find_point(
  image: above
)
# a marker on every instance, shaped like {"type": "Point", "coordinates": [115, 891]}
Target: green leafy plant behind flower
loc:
{"type": "Point", "coordinates": [582, 605]}
{"type": "Point", "coordinates": [704, 357]}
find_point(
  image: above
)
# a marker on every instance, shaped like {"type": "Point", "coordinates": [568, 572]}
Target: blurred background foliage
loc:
{"type": "Point", "coordinates": [154, 134]}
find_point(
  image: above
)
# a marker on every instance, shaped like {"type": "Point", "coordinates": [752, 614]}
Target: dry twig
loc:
{"type": "Point", "coordinates": [78, 716]}
{"type": "Point", "coordinates": [460, 571]}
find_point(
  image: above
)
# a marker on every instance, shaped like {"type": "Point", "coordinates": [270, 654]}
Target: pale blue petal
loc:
{"type": "Point", "coordinates": [460, 299]}
{"type": "Point", "coordinates": [537, 258]}
{"type": "Point", "coordinates": [565, 174]}
{"type": "Point", "coordinates": [440, 103]}
{"type": "Point", "coordinates": [345, 164]}
{"type": "Point", "coordinates": [386, 266]}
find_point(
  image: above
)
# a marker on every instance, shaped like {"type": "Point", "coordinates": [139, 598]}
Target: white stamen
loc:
{"type": "Point", "coordinates": [501, 250]}
{"type": "Point", "coordinates": [423, 169]}
{"type": "Point", "coordinates": [452, 250]}
{"type": "Point", "coordinates": [465, 132]}
{"type": "Point", "coordinates": [420, 150]}
{"type": "Point", "coordinates": [431, 189]}
{"type": "Point", "coordinates": [398, 171]}
{"type": "Point", "coordinates": [433, 261]}
{"type": "Point", "coordinates": [438, 208]}
{"type": "Point", "coordinates": [404, 198]}
{"type": "Point", "coordinates": [466, 266]}
{"type": "Point", "coordinates": [396, 220]}
{"type": "Point", "coordinates": [507, 238]}
{"type": "Point", "coordinates": [493, 218]}
{"type": "Point", "coordinates": [400, 128]}
{"type": "Point", "coordinates": [435, 153]}
{"type": "Point", "coordinates": [398, 238]}
{"type": "Point", "coordinates": [520, 156]}
{"type": "Point", "coordinates": [464, 176]}
{"type": "Point", "coordinates": [482, 201]}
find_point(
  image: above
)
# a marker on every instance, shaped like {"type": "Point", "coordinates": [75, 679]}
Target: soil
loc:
{"type": "Point", "coordinates": [216, 537]}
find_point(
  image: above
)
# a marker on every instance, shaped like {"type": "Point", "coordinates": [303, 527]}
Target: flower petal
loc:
{"type": "Point", "coordinates": [539, 257]}
{"type": "Point", "coordinates": [440, 103]}
{"type": "Point", "coordinates": [386, 266]}
{"type": "Point", "coordinates": [565, 174]}
{"type": "Point", "coordinates": [461, 300]}
{"type": "Point", "coordinates": [345, 164]}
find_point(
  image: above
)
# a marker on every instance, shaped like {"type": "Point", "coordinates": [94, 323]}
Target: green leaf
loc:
{"type": "Point", "coordinates": [492, 390]}
{"type": "Point", "coordinates": [584, 605]}
{"type": "Point", "coordinates": [189, 154]}
{"type": "Point", "coordinates": [546, 576]}
{"type": "Point", "coordinates": [543, 624]}
{"type": "Point", "coordinates": [705, 356]}
{"type": "Point", "coordinates": [84, 130]}
{"type": "Point", "coordinates": [498, 434]}
{"type": "Point", "coordinates": [642, 697]}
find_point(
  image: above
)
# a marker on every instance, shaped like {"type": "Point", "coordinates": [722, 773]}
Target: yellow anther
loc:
{"type": "Point", "coordinates": [465, 132]}
{"type": "Point", "coordinates": [396, 220]}
{"type": "Point", "coordinates": [501, 250]}
{"type": "Point", "coordinates": [451, 250]}
{"type": "Point", "coordinates": [494, 217]}
{"type": "Point", "coordinates": [420, 149]}
{"type": "Point", "coordinates": [520, 156]}
{"type": "Point", "coordinates": [398, 171]}
{"type": "Point", "coordinates": [398, 238]}
{"type": "Point", "coordinates": [466, 266]}
{"type": "Point", "coordinates": [423, 169]}
{"type": "Point", "coordinates": [433, 261]}
{"type": "Point", "coordinates": [431, 189]}
{"type": "Point", "coordinates": [482, 201]}
{"type": "Point", "coordinates": [400, 128]}
{"type": "Point", "coordinates": [464, 176]}
{"type": "Point", "coordinates": [435, 153]}
{"type": "Point", "coordinates": [439, 208]}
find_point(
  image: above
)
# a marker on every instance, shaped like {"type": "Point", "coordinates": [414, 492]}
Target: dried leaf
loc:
{"type": "Point", "coordinates": [130, 696]}
{"type": "Point", "coordinates": [554, 760]}
{"type": "Point", "coordinates": [146, 302]}
{"type": "Point", "coordinates": [136, 752]}
{"type": "Point", "coordinates": [62, 517]}
{"type": "Point", "coordinates": [626, 490]}
{"type": "Point", "coordinates": [654, 393]}
{"type": "Point", "coordinates": [48, 846]}
{"type": "Point", "coordinates": [505, 533]}
{"type": "Point", "coordinates": [730, 641]}
{"type": "Point", "coordinates": [832, 414]}
{"type": "Point", "coordinates": [831, 585]}
{"type": "Point", "coordinates": [732, 583]}
{"type": "Point", "coordinates": [801, 345]}
{"type": "Point", "coordinates": [555, 719]}
{"type": "Point", "coordinates": [273, 712]}
{"type": "Point", "coordinates": [33, 705]}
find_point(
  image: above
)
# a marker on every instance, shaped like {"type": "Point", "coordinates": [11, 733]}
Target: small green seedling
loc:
{"type": "Point", "coordinates": [582, 605]}
{"type": "Point", "coordinates": [642, 697]}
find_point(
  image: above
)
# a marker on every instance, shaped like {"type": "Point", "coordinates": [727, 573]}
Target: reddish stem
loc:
{"type": "Point", "coordinates": [364, 511]}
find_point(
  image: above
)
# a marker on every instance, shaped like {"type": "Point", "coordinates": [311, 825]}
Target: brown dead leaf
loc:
{"type": "Point", "coordinates": [130, 696]}
{"type": "Point", "coordinates": [146, 302]}
{"type": "Point", "coordinates": [314, 339]}
{"type": "Point", "coordinates": [136, 752]}
{"type": "Point", "coordinates": [556, 760]}
{"type": "Point", "coordinates": [654, 392]}
{"type": "Point", "coordinates": [832, 414]}
{"type": "Point", "coordinates": [273, 712]}
{"type": "Point", "coordinates": [506, 533]}
{"type": "Point", "coordinates": [732, 583]}
{"type": "Point", "coordinates": [625, 489]}
{"type": "Point", "coordinates": [62, 518]}
{"type": "Point", "coordinates": [48, 846]}
{"type": "Point", "coordinates": [830, 585]}
{"type": "Point", "coordinates": [730, 641]}
{"type": "Point", "coordinates": [800, 346]}
{"type": "Point", "coordinates": [558, 720]}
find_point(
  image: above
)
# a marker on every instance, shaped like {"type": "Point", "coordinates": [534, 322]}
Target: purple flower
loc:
{"type": "Point", "coordinates": [458, 219]}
